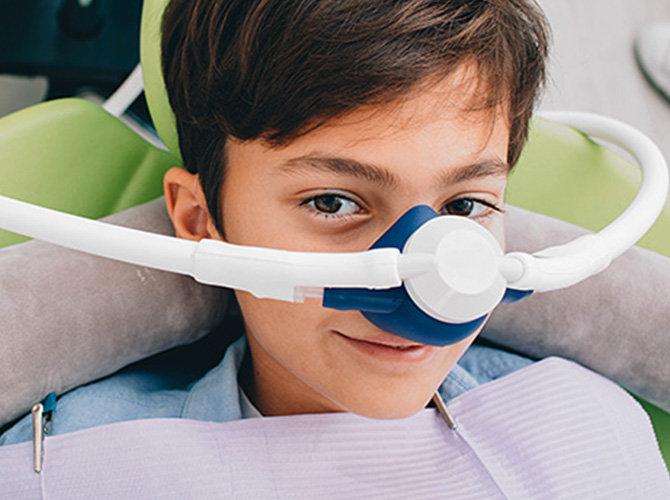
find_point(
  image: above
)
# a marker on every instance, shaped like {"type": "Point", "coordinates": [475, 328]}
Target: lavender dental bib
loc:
{"type": "Point", "coordinates": [552, 430]}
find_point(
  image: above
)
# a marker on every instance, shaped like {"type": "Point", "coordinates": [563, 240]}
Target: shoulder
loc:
{"type": "Point", "coordinates": [479, 365]}
{"type": "Point", "coordinates": [168, 385]}
{"type": "Point", "coordinates": [126, 396]}
{"type": "Point", "coordinates": [488, 363]}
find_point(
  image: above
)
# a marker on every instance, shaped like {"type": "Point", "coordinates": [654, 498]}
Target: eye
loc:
{"type": "Point", "coordinates": [468, 207]}
{"type": "Point", "coordinates": [331, 204]}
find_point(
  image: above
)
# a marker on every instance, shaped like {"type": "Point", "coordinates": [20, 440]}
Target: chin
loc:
{"type": "Point", "coordinates": [392, 410]}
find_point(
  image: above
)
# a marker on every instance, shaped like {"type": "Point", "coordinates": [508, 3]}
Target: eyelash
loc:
{"type": "Point", "coordinates": [490, 209]}
{"type": "Point", "coordinates": [309, 203]}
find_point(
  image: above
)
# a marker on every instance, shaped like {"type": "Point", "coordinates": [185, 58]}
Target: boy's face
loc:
{"type": "Point", "coordinates": [337, 189]}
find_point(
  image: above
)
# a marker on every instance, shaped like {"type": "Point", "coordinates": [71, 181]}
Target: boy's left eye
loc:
{"type": "Point", "coordinates": [468, 207]}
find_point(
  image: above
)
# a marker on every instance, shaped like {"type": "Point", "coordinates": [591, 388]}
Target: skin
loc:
{"type": "Point", "coordinates": [309, 359]}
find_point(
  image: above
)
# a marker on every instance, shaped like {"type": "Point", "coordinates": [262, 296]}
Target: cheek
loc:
{"type": "Point", "coordinates": [268, 319]}
{"type": "Point", "coordinates": [497, 228]}
{"type": "Point", "coordinates": [288, 334]}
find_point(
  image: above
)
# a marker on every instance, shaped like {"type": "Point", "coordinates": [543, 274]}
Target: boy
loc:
{"type": "Point", "coordinates": [323, 142]}
{"type": "Point", "coordinates": [314, 126]}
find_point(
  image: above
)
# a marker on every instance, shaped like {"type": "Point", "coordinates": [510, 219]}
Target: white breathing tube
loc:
{"type": "Point", "coordinates": [562, 266]}
{"type": "Point", "coordinates": [291, 276]}
{"type": "Point", "coordinates": [265, 272]}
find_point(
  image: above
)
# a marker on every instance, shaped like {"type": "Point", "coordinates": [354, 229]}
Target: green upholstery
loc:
{"type": "Point", "coordinates": [595, 185]}
{"type": "Point", "coordinates": [74, 156]}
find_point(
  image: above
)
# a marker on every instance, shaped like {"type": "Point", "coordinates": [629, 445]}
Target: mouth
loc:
{"type": "Point", "coordinates": [389, 348]}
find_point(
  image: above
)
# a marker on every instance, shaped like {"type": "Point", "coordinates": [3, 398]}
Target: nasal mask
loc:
{"type": "Point", "coordinates": [431, 279]}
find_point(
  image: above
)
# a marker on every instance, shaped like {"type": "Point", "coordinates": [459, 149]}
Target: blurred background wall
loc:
{"type": "Point", "coordinates": [593, 66]}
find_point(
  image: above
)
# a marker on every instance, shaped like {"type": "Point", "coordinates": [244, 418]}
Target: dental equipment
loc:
{"type": "Point", "coordinates": [430, 279]}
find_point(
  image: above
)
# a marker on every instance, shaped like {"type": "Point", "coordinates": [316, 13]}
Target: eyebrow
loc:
{"type": "Point", "coordinates": [484, 168]}
{"type": "Point", "coordinates": [342, 166]}
{"type": "Point", "coordinates": [384, 178]}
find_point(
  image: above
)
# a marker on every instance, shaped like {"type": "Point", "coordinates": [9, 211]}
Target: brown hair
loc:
{"type": "Point", "coordinates": [277, 69]}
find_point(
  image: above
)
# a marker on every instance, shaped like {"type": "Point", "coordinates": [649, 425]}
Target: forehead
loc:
{"type": "Point", "coordinates": [440, 124]}
{"type": "Point", "coordinates": [424, 120]}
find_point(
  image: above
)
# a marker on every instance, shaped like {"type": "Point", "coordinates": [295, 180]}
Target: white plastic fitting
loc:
{"type": "Point", "coordinates": [466, 282]}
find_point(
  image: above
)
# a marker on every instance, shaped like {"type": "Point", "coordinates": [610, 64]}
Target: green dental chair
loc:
{"type": "Point", "coordinates": [74, 156]}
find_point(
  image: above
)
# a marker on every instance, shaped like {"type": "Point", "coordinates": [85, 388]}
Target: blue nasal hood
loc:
{"type": "Point", "coordinates": [393, 310]}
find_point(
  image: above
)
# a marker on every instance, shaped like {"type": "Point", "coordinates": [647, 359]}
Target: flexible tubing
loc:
{"type": "Point", "coordinates": [158, 251]}
{"type": "Point", "coordinates": [265, 272]}
{"type": "Point", "coordinates": [564, 265]}
{"type": "Point", "coordinates": [126, 94]}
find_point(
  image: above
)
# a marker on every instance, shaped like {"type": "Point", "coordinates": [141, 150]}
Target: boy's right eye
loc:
{"type": "Point", "coordinates": [331, 205]}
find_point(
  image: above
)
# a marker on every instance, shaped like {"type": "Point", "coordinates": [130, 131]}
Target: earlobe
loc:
{"type": "Point", "coordinates": [187, 206]}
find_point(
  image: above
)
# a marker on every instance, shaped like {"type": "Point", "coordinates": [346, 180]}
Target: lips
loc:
{"type": "Point", "coordinates": [388, 348]}
{"type": "Point", "coordinates": [386, 342]}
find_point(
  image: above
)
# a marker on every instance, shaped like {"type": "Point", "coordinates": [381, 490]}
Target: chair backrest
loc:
{"type": "Point", "coordinates": [72, 155]}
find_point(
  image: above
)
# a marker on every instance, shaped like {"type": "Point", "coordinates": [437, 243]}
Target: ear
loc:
{"type": "Point", "coordinates": [187, 206]}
